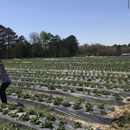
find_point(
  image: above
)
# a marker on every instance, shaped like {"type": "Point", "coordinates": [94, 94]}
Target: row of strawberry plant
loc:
{"type": "Point", "coordinates": [40, 76]}
{"type": "Point", "coordinates": [18, 112]}
{"type": "Point", "coordinates": [50, 99]}
{"type": "Point", "coordinates": [72, 82]}
{"type": "Point", "coordinates": [92, 92]}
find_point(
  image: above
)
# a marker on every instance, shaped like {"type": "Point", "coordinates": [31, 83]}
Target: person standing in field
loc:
{"type": "Point", "coordinates": [5, 79]}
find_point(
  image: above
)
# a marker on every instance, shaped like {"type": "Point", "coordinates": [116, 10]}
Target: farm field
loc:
{"type": "Point", "coordinates": [82, 93]}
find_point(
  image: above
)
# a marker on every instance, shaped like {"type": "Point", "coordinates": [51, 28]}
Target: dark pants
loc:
{"type": "Point", "coordinates": [2, 91]}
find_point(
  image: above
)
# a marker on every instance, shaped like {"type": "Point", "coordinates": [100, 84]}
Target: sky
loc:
{"type": "Point", "coordinates": [106, 22]}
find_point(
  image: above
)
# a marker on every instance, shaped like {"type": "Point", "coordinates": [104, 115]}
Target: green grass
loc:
{"type": "Point", "coordinates": [11, 125]}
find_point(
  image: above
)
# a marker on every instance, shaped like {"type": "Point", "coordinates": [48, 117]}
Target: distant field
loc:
{"type": "Point", "coordinates": [83, 93]}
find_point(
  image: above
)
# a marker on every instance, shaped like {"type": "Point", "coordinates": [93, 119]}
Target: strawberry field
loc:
{"type": "Point", "coordinates": [88, 93]}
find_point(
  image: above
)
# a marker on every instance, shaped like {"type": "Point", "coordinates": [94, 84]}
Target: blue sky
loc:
{"type": "Point", "coordinates": [92, 21]}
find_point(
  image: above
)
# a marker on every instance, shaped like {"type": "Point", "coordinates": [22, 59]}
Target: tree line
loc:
{"type": "Point", "coordinates": [45, 44]}
{"type": "Point", "coordinates": [40, 45]}
{"type": "Point", "coordinates": [102, 50]}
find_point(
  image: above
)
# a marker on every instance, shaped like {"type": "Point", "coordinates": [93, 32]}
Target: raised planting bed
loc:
{"type": "Point", "coordinates": [80, 78]}
{"type": "Point", "coordinates": [86, 111]}
{"type": "Point", "coordinates": [36, 120]}
{"type": "Point", "coordinates": [95, 90]}
{"type": "Point", "coordinates": [86, 87]}
{"type": "Point", "coordinates": [114, 99]}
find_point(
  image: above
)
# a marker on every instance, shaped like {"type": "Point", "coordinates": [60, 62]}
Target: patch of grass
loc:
{"type": "Point", "coordinates": [11, 125]}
